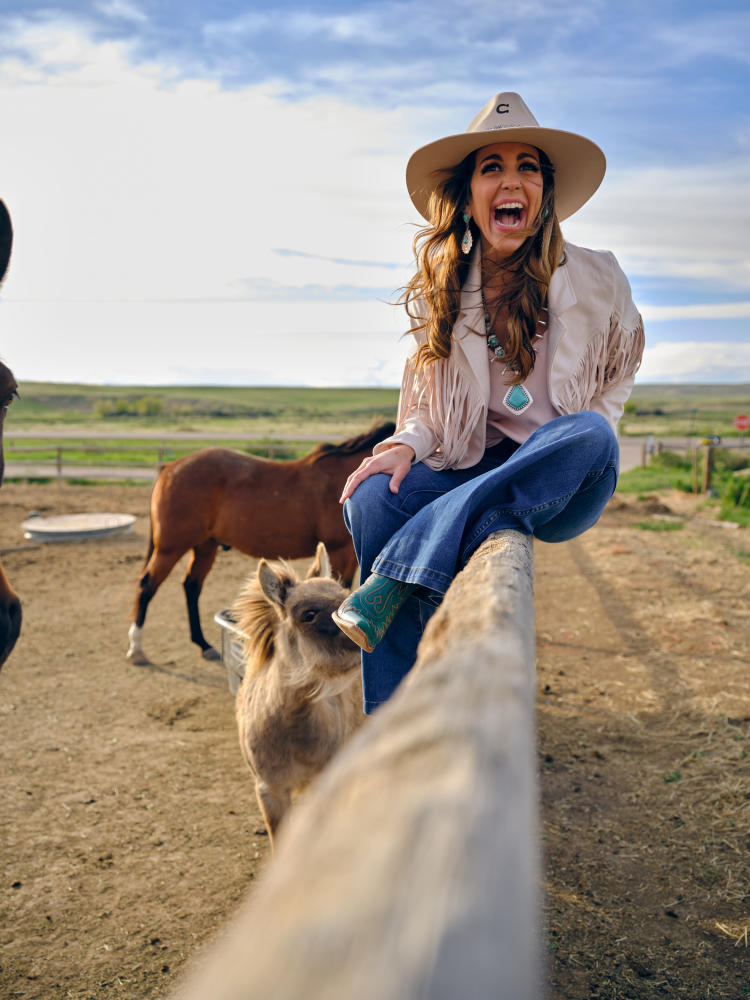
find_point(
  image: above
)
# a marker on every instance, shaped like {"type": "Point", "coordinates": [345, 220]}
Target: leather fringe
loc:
{"type": "Point", "coordinates": [621, 357]}
{"type": "Point", "coordinates": [447, 400]}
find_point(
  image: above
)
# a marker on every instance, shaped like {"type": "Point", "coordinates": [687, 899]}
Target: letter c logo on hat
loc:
{"type": "Point", "coordinates": [503, 109]}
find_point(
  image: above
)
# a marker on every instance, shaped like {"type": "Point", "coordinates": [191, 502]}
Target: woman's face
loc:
{"type": "Point", "coordinates": [506, 193]}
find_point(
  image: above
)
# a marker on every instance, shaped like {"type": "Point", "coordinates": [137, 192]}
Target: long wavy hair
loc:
{"type": "Point", "coordinates": [442, 269]}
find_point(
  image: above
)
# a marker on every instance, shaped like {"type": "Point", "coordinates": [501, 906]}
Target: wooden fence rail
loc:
{"type": "Point", "coordinates": [63, 468]}
{"type": "Point", "coordinates": [411, 869]}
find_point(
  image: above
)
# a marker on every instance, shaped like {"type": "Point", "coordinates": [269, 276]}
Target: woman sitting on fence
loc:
{"type": "Point", "coordinates": [526, 349]}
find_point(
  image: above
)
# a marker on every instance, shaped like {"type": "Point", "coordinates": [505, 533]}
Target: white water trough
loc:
{"type": "Point", "coordinates": [76, 527]}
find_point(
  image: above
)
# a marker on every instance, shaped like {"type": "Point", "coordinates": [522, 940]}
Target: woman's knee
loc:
{"type": "Point", "coordinates": [599, 434]}
{"type": "Point", "coordinates": [367, 501]}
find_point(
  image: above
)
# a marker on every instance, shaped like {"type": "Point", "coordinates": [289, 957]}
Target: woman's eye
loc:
{"type": "Point", "coordinates": [533, 167]}
{"type": "Point", "coordinates": [490, 166]}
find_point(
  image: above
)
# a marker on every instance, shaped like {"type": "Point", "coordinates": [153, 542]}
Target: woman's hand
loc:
{"type": "Point", "coordinates": [395, 460]}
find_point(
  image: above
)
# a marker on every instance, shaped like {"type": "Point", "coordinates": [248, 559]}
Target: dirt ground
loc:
{"type": "Point", "coordinates": [129, 828]}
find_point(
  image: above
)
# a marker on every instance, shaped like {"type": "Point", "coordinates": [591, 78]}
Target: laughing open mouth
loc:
{"type": "Point", "coordinates": [509, 215]}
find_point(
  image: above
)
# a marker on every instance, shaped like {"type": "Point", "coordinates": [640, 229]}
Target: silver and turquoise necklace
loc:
{"type": "Point", "coordinates": [518, 398]}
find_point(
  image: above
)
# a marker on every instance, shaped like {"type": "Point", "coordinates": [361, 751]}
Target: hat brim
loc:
{"type": "Point", "coordinates": [579, 163]}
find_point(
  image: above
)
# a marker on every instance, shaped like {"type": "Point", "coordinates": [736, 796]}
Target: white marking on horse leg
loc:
{"type": "Point", "coordinates": [135, 649]}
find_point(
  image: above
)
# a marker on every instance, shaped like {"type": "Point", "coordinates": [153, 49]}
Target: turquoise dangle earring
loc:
{"type": "Point", "coordinates": [468, 241]}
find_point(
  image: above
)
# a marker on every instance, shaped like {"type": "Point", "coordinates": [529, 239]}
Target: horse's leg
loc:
{"type": "Point", "coordinates": [273, 805]}
{"type": "Point", "coordinates": [200, 564]}
{"type": "Point", "coordinates": [10, 617]}
{"type": "Point", "coordinates": [158, 567]}
{"type": "Point", "coordinates": [343, 562]}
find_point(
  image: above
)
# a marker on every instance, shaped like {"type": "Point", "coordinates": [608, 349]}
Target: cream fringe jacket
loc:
{"type": "Point", "coordinates": [595, 346]}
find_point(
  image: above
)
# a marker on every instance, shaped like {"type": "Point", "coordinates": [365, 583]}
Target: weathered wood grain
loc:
{"type": "Point", "coordinates": [411, 869]}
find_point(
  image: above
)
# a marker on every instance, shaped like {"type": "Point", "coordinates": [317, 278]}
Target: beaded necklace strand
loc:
{"type": "Point", "coordinates": [518, 398]}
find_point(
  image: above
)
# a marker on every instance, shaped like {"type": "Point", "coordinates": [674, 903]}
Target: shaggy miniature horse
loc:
{"type": "Point", "coordinates": [221, 497]}
{"type": "Point", "coordinates": [10, 606]}
{"type": "Point", "coordinates": [300, 698]}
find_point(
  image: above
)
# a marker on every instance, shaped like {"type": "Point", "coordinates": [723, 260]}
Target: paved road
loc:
{"type": "Point", "coordinates": [631, 450]}
{"type": "Point", "coordinates": [48, 470]}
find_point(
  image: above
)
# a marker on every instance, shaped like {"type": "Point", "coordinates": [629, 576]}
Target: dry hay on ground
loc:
{"type": "Point", "coordinates": [644, 736]}
{"type": "Point", "coordinates": [130, 829]}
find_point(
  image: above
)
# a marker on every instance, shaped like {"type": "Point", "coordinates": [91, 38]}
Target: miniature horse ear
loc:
{"type": "Point", "coordinates": [272, 583]}
{"type": "Point", "coordinates": [6, 239]}
{"type": "Point", "coordinates": [322, 564]}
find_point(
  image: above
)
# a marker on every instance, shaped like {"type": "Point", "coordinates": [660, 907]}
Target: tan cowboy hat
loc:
{"type": "Point", "coordinates": [579, 163]}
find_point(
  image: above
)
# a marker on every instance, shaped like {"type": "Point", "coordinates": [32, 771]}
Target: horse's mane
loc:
{"type": "Point", "coordinates": [256, 621]}
{"type": "Point", "coordinates": [362, 442]}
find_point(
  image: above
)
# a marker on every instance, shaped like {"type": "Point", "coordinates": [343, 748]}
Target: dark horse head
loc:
{"type": "Point", "coordinates": [10, 606]}
{"type": "Point", "coordinates": [6, 239]}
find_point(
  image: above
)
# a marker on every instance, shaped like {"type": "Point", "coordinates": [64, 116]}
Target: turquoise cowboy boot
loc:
{"type": "Point", "coordinates": [367, 613]}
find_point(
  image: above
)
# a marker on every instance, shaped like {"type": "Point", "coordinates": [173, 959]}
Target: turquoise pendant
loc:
{"type": "Point", "coordinates": [517, 399]}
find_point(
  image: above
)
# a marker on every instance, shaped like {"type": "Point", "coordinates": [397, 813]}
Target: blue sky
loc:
{"type": "Point", "coordinates": [214, 192]}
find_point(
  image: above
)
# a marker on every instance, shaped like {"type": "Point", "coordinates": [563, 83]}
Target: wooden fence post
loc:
{"type": "Point", "coordinates": [411, 869]}
{"type": "Point", "coordinates": [708, 464]}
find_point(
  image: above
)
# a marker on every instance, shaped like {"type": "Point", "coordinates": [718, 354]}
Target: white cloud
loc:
{"type": "Point", "coordinates": [149, 208]}
{"type": "Point", "coordinates": [678, 222]}
{"type": "Point", "coordinates": [122, 10]}
{"type": "Point", "coordinates": [696, 361]}
{"type": "Point", "coordinates": [366, 27]}
{"type": "Point", "coordinates": [132, 185]}
{"type": "Point", "coordinates": [707, 310]}
{"type": "Point", "coordinates": [307, 343]}
{"type": "Point", "coordinates": [717, 35]}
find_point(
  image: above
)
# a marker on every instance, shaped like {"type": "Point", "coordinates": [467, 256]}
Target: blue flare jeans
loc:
{"type": "Point", "coordinates": [554, 486]}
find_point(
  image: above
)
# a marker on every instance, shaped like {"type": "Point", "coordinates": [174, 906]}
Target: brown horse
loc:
{"type": "Point", "coordinates": [10, 606]}
{"type": "Point", "coordinates": [277, 510]}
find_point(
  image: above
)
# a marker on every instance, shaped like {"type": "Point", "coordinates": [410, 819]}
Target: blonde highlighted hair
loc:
{"type": "Point", "coordinates": [442, 269]}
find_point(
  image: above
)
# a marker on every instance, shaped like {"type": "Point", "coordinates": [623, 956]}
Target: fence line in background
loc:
{"type": "Point", "coordinates": [633, 452]}
{"type": "Point", "coordinates": [60, 469]}
{"type": "Point", "coordinates": [411, 869]}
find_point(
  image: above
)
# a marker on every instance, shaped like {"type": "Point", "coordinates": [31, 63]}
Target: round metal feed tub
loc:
{"type": "Point", "coordinates": [77, 527]}
{"type": "Point", "coordinates": [232, 653]}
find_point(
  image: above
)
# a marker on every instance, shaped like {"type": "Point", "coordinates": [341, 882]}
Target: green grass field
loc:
{"type": "Point", "coordinates": [268, 412]}
{"type": "Point", "coordinates": [260, 412]}
{"type": "Point", "coordinates": [685, 410]}
{"type": "Point", "coordinates": [729, 483]}
{"type": "Point", "coordinates": [133, 425]}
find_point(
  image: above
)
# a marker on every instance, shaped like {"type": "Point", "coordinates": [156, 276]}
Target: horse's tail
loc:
{"type": "Point", "coordinates": [144, 577]}
{"type": "Point", "coordinates": [150, 550]}
{"type": "Point", "coordinates": [151, 545]}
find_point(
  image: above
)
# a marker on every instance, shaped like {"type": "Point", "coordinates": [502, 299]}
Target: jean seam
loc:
{"type": "Point", "coordinates": [407, 497]}
{"type": "Point", "coordinates": [515, 512]}
{"type": "Point", "coordinates": [522, 511]}
{"type": "Point", "coordinates": [495, 514]}
{"type": "Point", "coordinates": [594, 477]}
{"type": "Point", "coordinates": [411, 569]}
